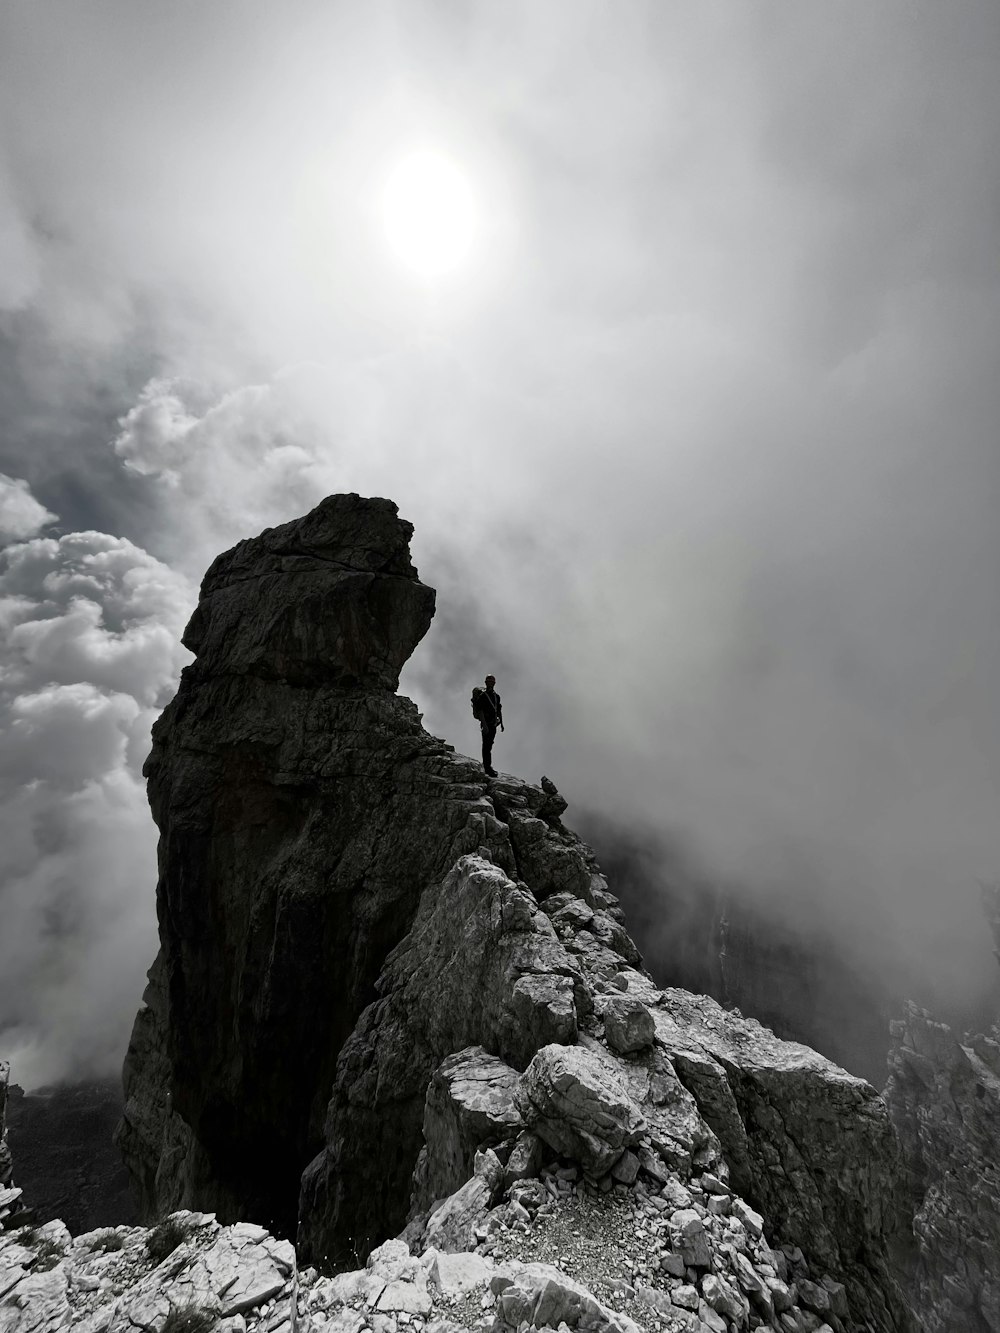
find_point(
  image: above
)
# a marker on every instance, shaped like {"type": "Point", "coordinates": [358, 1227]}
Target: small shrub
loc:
{"type": "Point", "coordinates": [164, 1239]}
{"type": "Point", "coordinates": [188, 1319]}
{"type": "Point", "coordinates": [47, 1252]}
{"type": "Point", "coordinates": [107, 1241]}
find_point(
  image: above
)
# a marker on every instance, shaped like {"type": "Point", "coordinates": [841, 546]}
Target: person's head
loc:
{"type": "Point", "coordinates": [490, 682]}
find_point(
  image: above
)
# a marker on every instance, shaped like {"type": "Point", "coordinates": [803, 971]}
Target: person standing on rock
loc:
{"type": "Point", "coordinates": [487, 708]}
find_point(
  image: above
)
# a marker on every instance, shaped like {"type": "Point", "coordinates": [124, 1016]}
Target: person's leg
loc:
{"type": "Point", "coordinates": [489, 735]}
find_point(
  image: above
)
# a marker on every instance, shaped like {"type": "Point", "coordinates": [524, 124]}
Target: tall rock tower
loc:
{"type": "Point", "coordinates": [301, 809]}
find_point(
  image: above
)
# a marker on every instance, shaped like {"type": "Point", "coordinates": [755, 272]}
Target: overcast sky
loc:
{"type": "Point", "coordinates": [700, 440]}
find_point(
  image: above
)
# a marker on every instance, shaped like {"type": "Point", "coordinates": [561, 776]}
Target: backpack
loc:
{"type": "Point", "coordinates": [478, 703]}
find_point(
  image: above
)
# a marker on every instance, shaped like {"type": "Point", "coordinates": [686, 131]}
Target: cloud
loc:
{"type": "Point", "coordinates": [90, 627]}
{"type": "Point", "coordinates": [20, 513]}
{"type": "Point", "coordinates": [700, 453]}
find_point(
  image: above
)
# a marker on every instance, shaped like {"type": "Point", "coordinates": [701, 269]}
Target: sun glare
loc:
{"type": "Point", "coordinates": [429, 214]}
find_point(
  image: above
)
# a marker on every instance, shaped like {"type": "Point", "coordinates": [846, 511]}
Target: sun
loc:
{"type": "Point", "coordinates": [429, 214]}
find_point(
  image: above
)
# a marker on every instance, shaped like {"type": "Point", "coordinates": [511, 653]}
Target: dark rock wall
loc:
{"type": "Point", "coordinates": [302, 810]}
{"type": "Point", "coordinates": [6, 1160]}
{"type": "Point", "coordinates": [67, 1165]}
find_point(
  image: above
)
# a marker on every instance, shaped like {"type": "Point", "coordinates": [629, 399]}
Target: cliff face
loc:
{"type": "Point", "coordinates": [389, 991]}
{"type": "Point", "coordinates": [67, 1164]}
{"type": "Point", "coordinates": [944, 1097]}
{"type": "Point", "coordinates": [9, 1193]}
{"type": "Point", "coordinates": [302, 811]}
{"type": "Point", "coordinates": [11, 1201]}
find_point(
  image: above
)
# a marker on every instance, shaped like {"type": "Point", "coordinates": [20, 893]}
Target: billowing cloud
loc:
{"type": "Point", "coordinates": [90, 629]}
{"type": "Point", "coordinates": [700, 449]}
{"type": "Point", "coordinates": [20, 513]}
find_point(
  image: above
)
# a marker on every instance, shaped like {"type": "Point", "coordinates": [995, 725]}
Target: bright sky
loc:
{"type": "Point", "coordinates": [672, 329]}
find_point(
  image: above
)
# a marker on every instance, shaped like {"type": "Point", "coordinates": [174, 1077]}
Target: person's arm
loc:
{"type": "Point", "coordinates": [500, 712]}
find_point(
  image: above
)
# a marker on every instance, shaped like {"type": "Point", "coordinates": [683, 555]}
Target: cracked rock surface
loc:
{"type": "Point", "coordinates": [237, 1279]}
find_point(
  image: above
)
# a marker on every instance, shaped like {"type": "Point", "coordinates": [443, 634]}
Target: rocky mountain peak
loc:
{"type": "Point", "coordinates": [393, 996]}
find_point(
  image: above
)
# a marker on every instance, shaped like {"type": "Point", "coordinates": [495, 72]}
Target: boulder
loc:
{"type": "Point", "coordinates": [690, 1239]}
{"type": "Point", "coordinates": [579, 1107]}
{"type": "Point", "coordinates": [541, 1297]}
{"type": "Point", "coordinates": [470, 1100]}
{"type": "Point", "coordinates": [628, 1024]}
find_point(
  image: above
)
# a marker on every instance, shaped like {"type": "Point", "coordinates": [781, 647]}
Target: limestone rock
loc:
{"type": "Point", "coordinates": [724, 1299]}
{"type": "Point", "coordinates": [456, 1274]}
{"type": "Point", "coordinates": [628, 1024]}
{"type": "Point", "coordinates": [470, 1101]}
{"type": "Point", "coordinates": [452, 983]}
{"type": "Point", "coordinates": [809, 1147]}
{"type": "Point", "coordinates": [525, 1158]}
{"type": "Point", "coordinates": [578, 1106]}
{"type": "Point", "coordinates": [543, 1297]}
{"type": "Point", "coordinates": [451, 1225]}
{"type": "Point", "coordinates": [690, 1238]}
{"type": "Point", "coordinates": [113, 1280]}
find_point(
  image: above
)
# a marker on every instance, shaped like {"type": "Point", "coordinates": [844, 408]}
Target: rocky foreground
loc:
{"type": "Point", "coordinates": [553, 1255]}
{"type": "Point", "coordinates": [523, 1243]}
{"type": "Point", "coordinates": [396, 1013]}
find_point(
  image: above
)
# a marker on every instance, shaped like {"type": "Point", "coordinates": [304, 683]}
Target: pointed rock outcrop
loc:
{"type": "Point", "coordinates": [302, 812]}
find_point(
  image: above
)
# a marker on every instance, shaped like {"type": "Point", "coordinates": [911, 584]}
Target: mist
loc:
{"type": "Point", "coordinates": [700, 446]}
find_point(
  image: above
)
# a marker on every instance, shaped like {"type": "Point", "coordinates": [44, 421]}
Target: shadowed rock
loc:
{"type": "Point", "coordinates": [302, 810]}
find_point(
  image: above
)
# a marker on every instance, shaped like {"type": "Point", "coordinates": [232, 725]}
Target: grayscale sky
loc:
{"type": "Point", "coordinates": [700, 439]}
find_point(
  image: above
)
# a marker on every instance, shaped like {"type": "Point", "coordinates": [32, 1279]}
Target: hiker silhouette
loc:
{"type": "Point", "coordinates": [488, 710]}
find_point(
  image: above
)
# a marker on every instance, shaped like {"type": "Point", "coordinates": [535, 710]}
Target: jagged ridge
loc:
{"type": "Point", "coordinates": [344, 904]}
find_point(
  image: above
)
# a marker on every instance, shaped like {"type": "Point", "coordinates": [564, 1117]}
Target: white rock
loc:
{"type": "Point", "coordinates": [406, 1297]}
{"type": "Point", "coordinates": [388, 1253]}
{"type": "Point", "coordinates": [753, 1222]}
{"type": "Point", "coordinates": [38, 1304]}
{"type": "Point", "coordinates": [455, 1274]}
{"type": "Point", "coordinates": [345, 1321]}
{"type": "Point", "coordinates": [685, 1297]}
